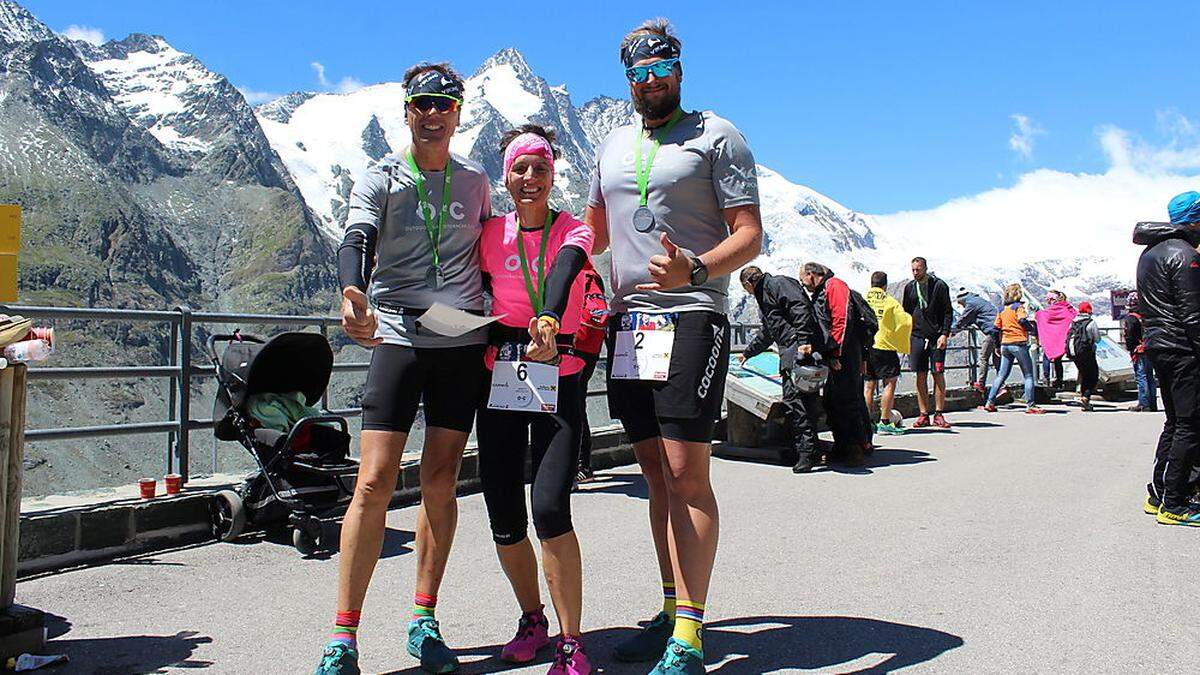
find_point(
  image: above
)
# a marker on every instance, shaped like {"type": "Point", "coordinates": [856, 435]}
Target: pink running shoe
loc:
{"type": "Point", "coordinates": [533, 633]}
{"type": "Point", "coordinates": [570, 659]}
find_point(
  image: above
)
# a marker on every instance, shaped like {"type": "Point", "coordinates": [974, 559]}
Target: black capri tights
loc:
{"type": "Point", "coordinates": [504, 437]}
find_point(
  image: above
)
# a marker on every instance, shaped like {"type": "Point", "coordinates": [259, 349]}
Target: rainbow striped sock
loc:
{"type": "Point", "coordinates": [669, 599]}
{"type": "Point", "coordinates": [423, 606]}
{"type": "Point", "coordinates": [689, 621]}
{"type": "Point", "coordinates": [345, 628]}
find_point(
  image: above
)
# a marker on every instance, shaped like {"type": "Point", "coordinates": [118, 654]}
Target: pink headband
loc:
{"type": "Point", "coordinates": [528, 144]}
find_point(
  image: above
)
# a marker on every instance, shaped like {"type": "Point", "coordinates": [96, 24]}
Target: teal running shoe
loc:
{"type": "Point", "coordinates": [648, 643]}
{"type": "Point", "coordinates": [680, 659]}
{"type": "Point", "coordinates": [339, 659]}
{"type": "Point", "coordinates": [425, 643]}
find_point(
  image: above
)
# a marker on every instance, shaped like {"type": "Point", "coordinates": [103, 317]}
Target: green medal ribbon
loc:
{"type": "Point", "coordinates": [643, 172]}
{"type": "Point", "coordinates": [433, 229]}
{"type": "Point", "coordinates": [535, 294]}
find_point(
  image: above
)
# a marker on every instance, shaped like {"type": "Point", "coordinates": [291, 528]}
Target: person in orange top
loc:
{"type": "Point", "coordinates": [1013, 323]}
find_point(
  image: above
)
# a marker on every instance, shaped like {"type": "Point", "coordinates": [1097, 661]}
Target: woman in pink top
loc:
{"type": "Point", "coordinates": [532, 258]}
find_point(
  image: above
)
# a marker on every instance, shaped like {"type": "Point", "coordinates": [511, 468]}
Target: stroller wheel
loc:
{"type": "Point", "coordinates": [306, 537]}
{"type": "Point", "coordinates": [228, 515]}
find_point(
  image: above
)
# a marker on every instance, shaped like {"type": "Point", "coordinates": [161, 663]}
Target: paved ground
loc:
{"type": "Point", "coordinates": [1013, 544]}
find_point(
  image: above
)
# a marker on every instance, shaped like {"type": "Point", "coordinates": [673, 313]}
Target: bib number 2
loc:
{"type": "Point", "coordinates": [643, 355]}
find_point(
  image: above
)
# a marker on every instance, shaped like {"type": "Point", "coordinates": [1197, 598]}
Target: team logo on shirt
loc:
{"type": "Point", "coordinates": [457, 211]}
{"type": "Point", "coordinates": [513, 263]}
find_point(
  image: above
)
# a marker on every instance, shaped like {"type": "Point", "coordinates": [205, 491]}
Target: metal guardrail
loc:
{"type": "Point", "coordinates": [185, 327]}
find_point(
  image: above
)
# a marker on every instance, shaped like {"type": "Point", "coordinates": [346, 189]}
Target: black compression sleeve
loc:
{"type": "Point", "coordinates": [356, 256]}
{"type": "Point", "coordinates": [567, 265]}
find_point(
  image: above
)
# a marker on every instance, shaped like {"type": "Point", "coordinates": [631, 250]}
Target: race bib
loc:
{"type": "Point", "coordinates": [526, 386]}
{"type": "Point", "coordinates": [643, 347]}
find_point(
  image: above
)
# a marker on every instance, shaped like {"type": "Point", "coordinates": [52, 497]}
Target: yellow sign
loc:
{"type": "Point", "coordinates": [10, 246]}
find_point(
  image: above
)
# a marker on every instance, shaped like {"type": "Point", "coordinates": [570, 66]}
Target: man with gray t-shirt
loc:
{"type": "Point", "coordinates": [411, 240]}
{"type": "Point", "coordinates": [675, 197]}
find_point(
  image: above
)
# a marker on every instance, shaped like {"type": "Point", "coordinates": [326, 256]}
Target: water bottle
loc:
{"type": "Point", "coordinates": [27, 350]}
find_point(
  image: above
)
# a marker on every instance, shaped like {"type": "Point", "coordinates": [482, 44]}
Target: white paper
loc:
{"type": "Point", "coordinates": [524, 385]}
{"type": "Point", "coordinates": [451, 322]}
{"type": "Point", "coordinates": [643, 355]}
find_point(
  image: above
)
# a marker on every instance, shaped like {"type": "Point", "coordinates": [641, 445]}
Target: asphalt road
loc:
{"type": "Point", "coordinates": [1011, 544]}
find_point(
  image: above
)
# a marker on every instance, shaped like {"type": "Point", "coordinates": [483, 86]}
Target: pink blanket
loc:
{"type": "Point", "coordinates": [1053, 324]}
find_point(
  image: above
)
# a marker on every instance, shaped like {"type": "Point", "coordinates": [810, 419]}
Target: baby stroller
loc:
{"type": "Point", "coordinates": [303, 473]}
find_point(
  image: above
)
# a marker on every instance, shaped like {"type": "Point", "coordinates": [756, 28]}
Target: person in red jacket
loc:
{"type": "Point", "coordinates": [845, 350]}
{"type": "Point", "coordinates": [589, 340]}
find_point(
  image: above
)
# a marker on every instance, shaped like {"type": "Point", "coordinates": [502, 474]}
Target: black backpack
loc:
{"type": "Point", "coordinates": [865, 322]}
{"type": "Point", "coordinates": [1078, 342]}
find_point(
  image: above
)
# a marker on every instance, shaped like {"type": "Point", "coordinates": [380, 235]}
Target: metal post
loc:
{"type": "Point", "coordinates": [185, 388]}
{"type": "Point", "coordinates": [325, 394]}
{"type": "Point", "coordinates": [172, 397]}
{"type": "Point", "coordinates": [972, 355]}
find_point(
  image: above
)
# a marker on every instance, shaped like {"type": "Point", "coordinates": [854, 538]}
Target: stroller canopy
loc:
{"type": "Point", "coordinates": [287, 362]}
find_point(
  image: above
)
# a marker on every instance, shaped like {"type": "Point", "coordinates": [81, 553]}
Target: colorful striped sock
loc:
{"type": "Point", "coordinates": [689, 620]}
{"type": "Point", "coordinates": [423, 606]}
{"type": "Point", "coordinates": [345, 628]}
{"type": "Point", "coordinates": [669, 599]}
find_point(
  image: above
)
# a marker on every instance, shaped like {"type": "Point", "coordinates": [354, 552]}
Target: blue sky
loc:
{"type": "Point", "coordinates": [882, 106]}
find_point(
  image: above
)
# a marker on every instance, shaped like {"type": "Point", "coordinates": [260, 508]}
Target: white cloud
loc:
{"type": "Point", "coordinates": [1051, 215]}
{"type": "Point", "coordinates": [256, 97]}
{"type": "Point", "coordinates": [1022, 140]}
{"type": "Point", "coordinates": [344, 86]}
{"type": "Point", "coordinates": [87, 34]}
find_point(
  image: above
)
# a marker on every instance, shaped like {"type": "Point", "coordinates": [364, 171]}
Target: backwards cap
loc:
{"type": "Point", "coordinates": [434, 82]}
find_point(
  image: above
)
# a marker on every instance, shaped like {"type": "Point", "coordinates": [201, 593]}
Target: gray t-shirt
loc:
{"type": "Point", "coordinates": [385, 197]}
{"type": "Point", "coordinates": [703, 167]}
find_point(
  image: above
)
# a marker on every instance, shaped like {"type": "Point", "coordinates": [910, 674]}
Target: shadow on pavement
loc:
{"type": "Point", "coordinates": [630, 485]}
{"type": "Point", "coordinates": [763, 644]}
{"type": "Point", "coordinates": [882, 458]}
{"type": "Point", "coordinates": [977, 425]}
{"type": "Point", "coordinates": [122, 655]}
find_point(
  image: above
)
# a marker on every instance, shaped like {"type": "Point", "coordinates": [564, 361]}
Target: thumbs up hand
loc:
{"type": "Point", "coordinates": [671, 269]}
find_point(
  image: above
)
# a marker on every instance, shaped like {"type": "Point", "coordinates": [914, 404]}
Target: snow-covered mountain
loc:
{"type": "Point", "coordinates": [327, 139]}
{"type": "Point", "coordinates": [146, 180]}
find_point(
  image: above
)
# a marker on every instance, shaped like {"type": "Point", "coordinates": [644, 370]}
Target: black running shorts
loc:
{"type": "Point", "coordinates": [687, 405]}
{"type": "Point", "coordinates": [882, 364]}
{"type": "Point", "coordinates": [449, 380]}
{"type": "Point", "coordinates": [925, 356]}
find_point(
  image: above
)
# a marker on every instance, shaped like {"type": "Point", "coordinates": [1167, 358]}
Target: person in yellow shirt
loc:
{"type": "Point", "coordinates": [883, 360]}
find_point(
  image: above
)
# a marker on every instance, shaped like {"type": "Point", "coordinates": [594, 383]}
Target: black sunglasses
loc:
{"type": "Point", "coordinates": [427, 102]}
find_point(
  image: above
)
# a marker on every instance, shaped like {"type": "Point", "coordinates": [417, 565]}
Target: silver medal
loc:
{"type": "Point", "coordinates": [643, 219]}
{"type": "Point", "coordinates": [435, 277]}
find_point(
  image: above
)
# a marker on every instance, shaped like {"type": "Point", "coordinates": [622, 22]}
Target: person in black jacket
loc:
{"type": "Point", "coordinates": [927, 299]}
{"type": "Point", "coordinates": [1135, 344]}
{"type": "Point", "coordinates": [787, 320]}
{"type": "Point", "coordinates": [1168, 286]}
{"type": "Point", "coordinates": [844, 345]}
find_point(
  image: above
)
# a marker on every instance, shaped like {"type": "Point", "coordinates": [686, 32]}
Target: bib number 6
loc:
{"type": "Point", "coordinates": [522, 372]}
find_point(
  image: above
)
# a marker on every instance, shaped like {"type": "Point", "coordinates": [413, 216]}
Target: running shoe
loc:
{"type": "Point", "coordinates": [1180, 515]}
{"type": "Point", "coordinates": [533, 633]}
{"type": "Point", "coordinates": [425, 643]}
{"type": "Point", "coordinates": [1034, 410]}
{"type": "Point", "coordinates": [1137, 408]}
{"type": "Point", "coordinates": [1086, 406]}
{"type": "Point", "coordinates": [979, 387]}
{"type": "Point", "coordinates": [990, 407]}
{"type": "Point", "coordinates": [339, 659]}
{"type": "Point", "coordinates": [679, 659]}
{"type": "Point", "coordinates": [922, 421]}
{"type": "Point", "coordinates": [940, 422]}
{"type": "Point", "coordinates": [1151, 506]}
{"type": "Point", "coordinates": [585, 475]}
{"type": "Point", "coordinates": [570, 659]}
{"type": "Point", "coordinates": [889, 429]}
{"type": "Point", "coordinates": [650, 641]}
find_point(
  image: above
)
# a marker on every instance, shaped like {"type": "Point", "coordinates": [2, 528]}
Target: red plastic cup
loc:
{"type": "Point", "coordinates": [174, 483]}
{"type": "Point", "coordinates": [148, 487]}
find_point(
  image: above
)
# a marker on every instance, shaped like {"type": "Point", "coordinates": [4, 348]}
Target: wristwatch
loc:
{"type": "Point", "coordinates": [699, 273]}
